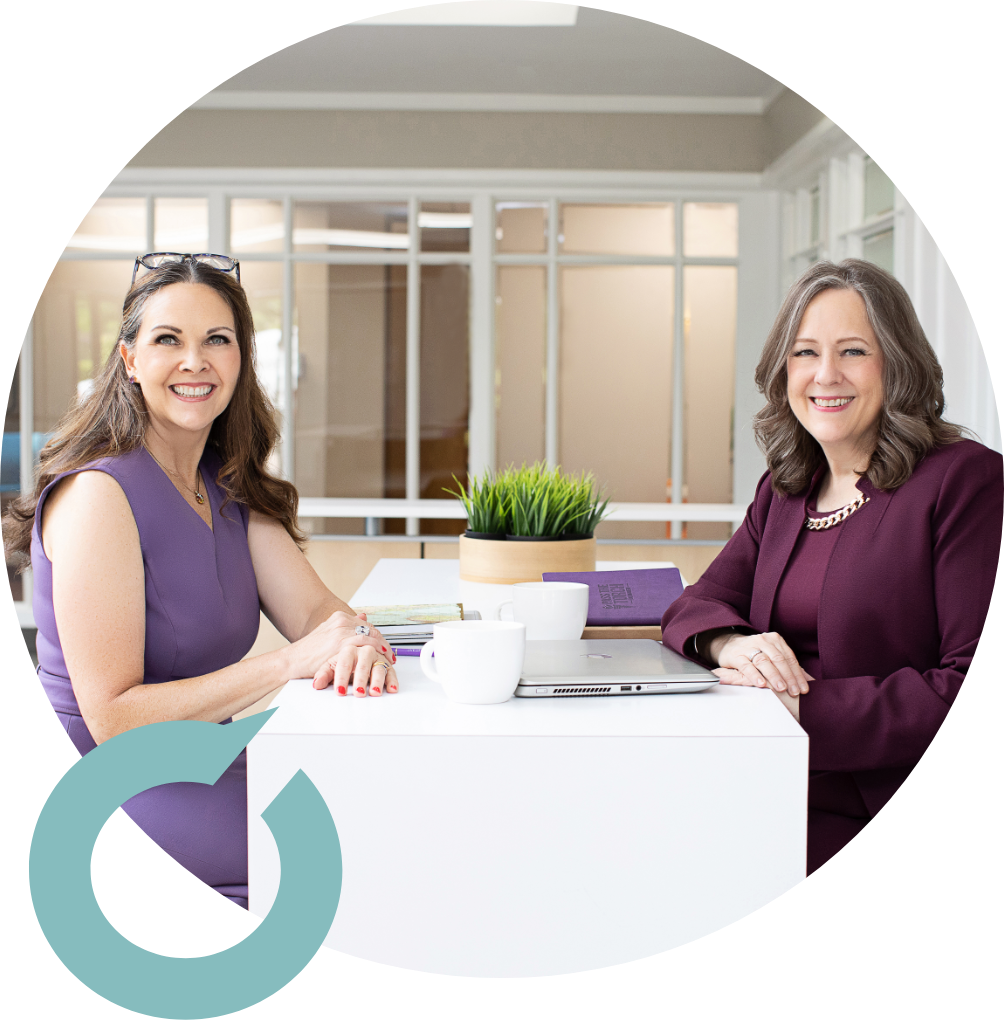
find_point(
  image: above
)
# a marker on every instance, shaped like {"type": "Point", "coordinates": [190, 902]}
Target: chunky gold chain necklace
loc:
{"type": "Point", "coordinates": [832, 520]}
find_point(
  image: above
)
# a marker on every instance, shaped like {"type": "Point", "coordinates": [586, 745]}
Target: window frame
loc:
{"type": "Point", "coordinates": [482, 189]}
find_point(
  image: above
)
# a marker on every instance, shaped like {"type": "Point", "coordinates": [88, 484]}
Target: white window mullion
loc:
{"type": "Point", "coordinates": [823, 212]}
{"type": "Point", "coordinates": [676, 450]}
{"type": "Point", "coordinates": [836, 209]}
{"type": "Point", "coordinates": [413, 408]}
{"type": "Point", "coordinates": [150, 223]}
{"type": "Point", "coordinates": [854, 208]}
{"type": "Point", "coordinates": [481, 420]}
{"type": "Point", "coordinates": [552, 358]}
{"type": "Point", "coordinates": [219, 232]}
{"type": "Point", "coordinates": [900, 258]}
{"type": "Point", "coordinates": [289, 358]}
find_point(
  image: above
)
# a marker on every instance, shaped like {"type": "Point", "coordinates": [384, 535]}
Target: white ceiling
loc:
{"type": "Point", "coordinates": [603, 54]}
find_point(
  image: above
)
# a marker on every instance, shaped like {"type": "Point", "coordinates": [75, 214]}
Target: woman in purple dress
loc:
{"type": "Point", "coordinates": [156, 534]}
{"type": "Point", "coordinates": [857, 586]}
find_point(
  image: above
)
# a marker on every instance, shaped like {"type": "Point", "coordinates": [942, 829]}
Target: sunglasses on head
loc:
{"type": "Point", "coordinates": [156, 259]}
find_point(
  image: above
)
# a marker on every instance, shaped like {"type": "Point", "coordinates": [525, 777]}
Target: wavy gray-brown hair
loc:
{"type": "Point", "coordinates": [910, 423]}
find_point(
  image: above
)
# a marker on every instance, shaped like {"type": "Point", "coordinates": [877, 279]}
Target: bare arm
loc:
{"type": "Point", "coordinates": [296, 600]}
{"type": "Point", "coordinates": [292, 596]}
{"type": "Point", "coordinates": [99, 600]}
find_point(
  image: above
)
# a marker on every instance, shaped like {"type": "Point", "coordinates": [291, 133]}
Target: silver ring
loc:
{"type": "Point", "coordinates": [386, 665]}
{"type": "Point", "coordinates": [363, 629]}
{"type": "Point", "coordinates": [756, 653]}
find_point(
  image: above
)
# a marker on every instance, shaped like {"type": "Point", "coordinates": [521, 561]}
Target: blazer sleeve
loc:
{"type": "Point", "coordinates": [871, 722]}
{"type": "Point", "coordinates": [722, 596]}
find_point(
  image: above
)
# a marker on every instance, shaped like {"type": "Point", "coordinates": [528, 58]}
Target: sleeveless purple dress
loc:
{"type": "Point", "coordinates": [201, 615]}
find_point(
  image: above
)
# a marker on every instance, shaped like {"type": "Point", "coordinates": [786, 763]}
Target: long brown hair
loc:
{"type": "Point", "coordinates": [910, 423]}
{"type": "Point", "coordinates": [112, 419]}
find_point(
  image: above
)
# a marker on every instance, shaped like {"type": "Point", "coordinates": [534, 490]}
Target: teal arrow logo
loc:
{"type": "Point", "coordinates": [165, 986]}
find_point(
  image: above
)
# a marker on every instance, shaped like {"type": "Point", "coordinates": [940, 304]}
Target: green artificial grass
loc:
{"type": "Point", "coordinates": [533, 501]}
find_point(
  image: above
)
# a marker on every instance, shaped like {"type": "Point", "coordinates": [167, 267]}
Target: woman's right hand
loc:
{"type": "Point", "coordinates": [759, 660]}
{"type": "Point", "coordinates": [335, 647]}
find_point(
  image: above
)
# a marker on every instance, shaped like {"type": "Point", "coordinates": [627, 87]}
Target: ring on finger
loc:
{"type": "Point", "coordinates": [363, 629]}
{"type": "Point", "coordinates": [757, 652]}
{"type": "Point", "coordinates": [380, 662]}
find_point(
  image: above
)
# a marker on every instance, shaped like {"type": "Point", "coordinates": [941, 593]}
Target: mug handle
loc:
{"type": "Point", "coordinates": [425, 661]}
{"type": "Point", "coordinates": [498, 609]}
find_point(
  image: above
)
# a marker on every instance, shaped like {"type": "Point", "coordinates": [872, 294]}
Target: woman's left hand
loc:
{"type": "Point", "coordinates": [764, 660]}
{"type": "Point", "coordinates": [737, 679]}
{"type": "Point", "coordinates": [734, 677]}
{"type": "Point", "coordinates": [359, 668]}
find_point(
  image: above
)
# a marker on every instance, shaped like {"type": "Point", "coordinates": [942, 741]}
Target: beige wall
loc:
{"type": "Point", "coordinates": [786, 120]}
{"type": "Point", "coordinates": [467, 139]}
{"type": "Point", "coordinates": [615, 417]}
{"type": "Point", "coordinates": [388, 138]}
{"type": "Point", "coordinates": [520, 363]}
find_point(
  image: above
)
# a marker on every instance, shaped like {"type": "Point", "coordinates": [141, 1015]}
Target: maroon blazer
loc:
{"type": "Point", "coordinates": [902, 606]}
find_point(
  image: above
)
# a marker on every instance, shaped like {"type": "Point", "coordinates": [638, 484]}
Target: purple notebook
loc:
{"type": "Point", "coordinates": [627, 598]}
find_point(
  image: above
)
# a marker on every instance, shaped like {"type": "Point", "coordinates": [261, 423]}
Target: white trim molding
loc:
{"type": "Point", "coordinates": [380, 180]}
{"type": "Point", "coordinates": [799, 166]}
{"type": "Point", "coordinates": [453, 510]}
{"type": "Point", "coordinates": [460, 102]}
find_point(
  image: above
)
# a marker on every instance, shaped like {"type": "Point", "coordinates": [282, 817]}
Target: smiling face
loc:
{"type": "Point", "coordinates": [186, 358]}
{"type": "Point", "coordinates": [835, 377]}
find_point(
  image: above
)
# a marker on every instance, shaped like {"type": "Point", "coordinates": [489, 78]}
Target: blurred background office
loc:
{"type": "Point", "coordinates": [485, 233]}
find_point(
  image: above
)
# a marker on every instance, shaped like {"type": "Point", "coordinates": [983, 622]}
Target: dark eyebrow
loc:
{"type": "Point", "coordinates": [842, 340]}
{"type": "Point", "coordinates": [209, 332]}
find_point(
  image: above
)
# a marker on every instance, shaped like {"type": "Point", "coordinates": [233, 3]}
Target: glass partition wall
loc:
{"type": "Point", "coordinates": [629, 309]}
{"type": "Point", "coordinates": [598, 334]}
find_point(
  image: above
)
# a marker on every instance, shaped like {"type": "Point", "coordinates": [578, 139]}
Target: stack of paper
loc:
{"type": "Point", "coordinates": [410, 625]}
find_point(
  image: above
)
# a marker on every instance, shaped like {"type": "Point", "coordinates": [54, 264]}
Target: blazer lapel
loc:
{"type": "Point", "coordinates": [784, 523]}
{"type": "Point", "coordinates": [879, 500]}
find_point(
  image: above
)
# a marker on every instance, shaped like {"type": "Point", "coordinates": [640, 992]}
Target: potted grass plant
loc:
{"type": "Point", "coordinates": [526, 521]}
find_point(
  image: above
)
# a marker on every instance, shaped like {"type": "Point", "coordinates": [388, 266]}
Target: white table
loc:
{"type": "Point", "coordinates": [539, 836]}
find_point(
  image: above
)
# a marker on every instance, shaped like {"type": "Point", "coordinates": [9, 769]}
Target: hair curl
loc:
{"type": "Point", "coordinates": [910, 422]}
{"type": "Point", "coordinates": [112, 419]}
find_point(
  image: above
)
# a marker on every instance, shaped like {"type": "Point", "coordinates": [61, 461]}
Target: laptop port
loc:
{"type": "Point", "coordinates": [626, 687]}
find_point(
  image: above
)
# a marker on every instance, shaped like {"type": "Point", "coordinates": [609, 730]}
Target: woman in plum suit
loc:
{"type": "Point", "coordinates": [857, 586]}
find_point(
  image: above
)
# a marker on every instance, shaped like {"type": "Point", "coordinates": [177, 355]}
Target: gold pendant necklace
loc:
{"type": "Point", "coordinates": [199, 498]}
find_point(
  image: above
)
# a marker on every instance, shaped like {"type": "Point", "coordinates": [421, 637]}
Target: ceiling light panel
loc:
{"type": "Point", "coordinates": [485, 13]}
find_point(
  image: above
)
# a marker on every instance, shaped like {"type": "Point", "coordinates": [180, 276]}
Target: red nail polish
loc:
{"type": "Point", "coordinates": [375, 692]}
{"type": "Point", "coordinates": [360, 690]}
{"type": "Point", "coordinates": [393, 690]}
{"type": "Point", "coordinates": [341, 690]}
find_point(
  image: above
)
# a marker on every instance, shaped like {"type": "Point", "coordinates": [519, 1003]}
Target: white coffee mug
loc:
{"type": "Point", "coordinates": [551, 610]}
{"type": "Point", "coordinates": [478, 662]}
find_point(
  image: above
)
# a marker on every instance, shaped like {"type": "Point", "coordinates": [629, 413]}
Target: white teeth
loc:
{"type": "Point", "coordinates": [192, 391]}
{"type": "Point", "coordinates": [835, 402]}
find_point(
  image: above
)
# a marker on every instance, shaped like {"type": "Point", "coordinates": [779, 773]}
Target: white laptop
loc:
{"type": "Point", "coordinates": [572, 669]}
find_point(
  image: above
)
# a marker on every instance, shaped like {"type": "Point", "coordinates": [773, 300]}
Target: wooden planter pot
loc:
{"type": "Point", "coordinates": [493, 562]}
